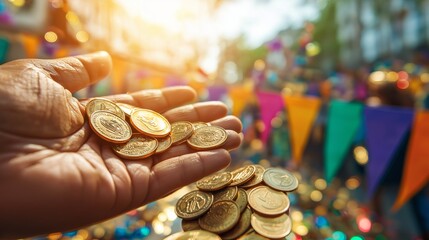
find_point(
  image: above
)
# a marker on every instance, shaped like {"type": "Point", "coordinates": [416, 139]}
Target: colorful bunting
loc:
{"type": "Point", "coordinates": [118, 74]}
{"type": "Point", "coordinates": [30, 44]}
{"type": "Point", "coordinates": [343, 121]}
{"type": "Point", "coordinates": [386, 128]}
{"type": "Point", "coordinates": [216, 93]}
{"type": "Point", "coordinates": [4, 48]}
{"type": "Point", "coordinates": [270, 104]}
{"type": "Point", "coordinates": [302, 112]}
{"type": "Point", "coordinates": [240, 96]}
{"type": "Point", "coordinates": [416, 170]}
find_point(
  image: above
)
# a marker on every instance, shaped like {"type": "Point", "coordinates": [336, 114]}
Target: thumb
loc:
{"type": "Point", "coordinates": [77, 72]}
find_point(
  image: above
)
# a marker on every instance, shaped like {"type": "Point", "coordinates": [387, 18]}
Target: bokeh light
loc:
{"type": "Point", "coordinates": [259, 65]}
{"type": "Point", "coordinates": [392, 76]}
{"type": "Point", "coordinates": [357, 238]}
{"type": "Point", "coordinates": [301, 229]}
{"type": "Point", "coordinates": [377, 77]}
{"type": "Point", "coordinates": [51, 37]}
{"type": "Point", "coordinates": [352, 183]}
{"type": "Point", "coordinates": [316, 196]}
{"type": "Point", "coordinates": [364, 224]}
{"type": "Point", "coordinates": [82, 36]}
{"type": "Point", "coordinates": [402, 84]}
{"type": "Point", "coordinates": [361, 155]}
{"type": "Point", "coordinates": [424, 77]}
{"type": "Point", "coordinates": [338, 235]}
{"type": "Point", "coordinates": [320, 184]}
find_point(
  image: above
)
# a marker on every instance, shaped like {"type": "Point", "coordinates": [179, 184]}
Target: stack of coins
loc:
{"type": "Point", "coordinates": [248, 203]}
{"type": "Point", "coordinates": [137, 133]}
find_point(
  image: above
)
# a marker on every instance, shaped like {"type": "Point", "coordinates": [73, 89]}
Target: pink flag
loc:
{"type": "Point", "coordinates": [270, 104]}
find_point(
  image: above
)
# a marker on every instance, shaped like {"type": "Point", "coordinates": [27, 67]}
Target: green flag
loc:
{"type": "Point", "coordinates": [344, 119]}
{"type": "Point", "coordinates": [4, 47]}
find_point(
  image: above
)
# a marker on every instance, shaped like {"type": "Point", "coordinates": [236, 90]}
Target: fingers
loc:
{"type": "Point", "coordinates": [182, 170]}
{"type": "Point", "coordinates": [228, 122]}
{"type": "Point", "coordinates": [204, 112]}
{"type": "Point", "coordinates": [159, 100]}
{"type": "Point", "coordinates": [78, 72]}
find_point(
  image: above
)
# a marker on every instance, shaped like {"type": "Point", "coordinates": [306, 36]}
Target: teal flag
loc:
{"type": "Point", "coordinates": [344, 119]}
{"type": "Point", "coordinates": [4, 47]}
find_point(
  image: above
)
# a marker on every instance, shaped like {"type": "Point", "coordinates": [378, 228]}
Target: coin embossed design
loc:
{"type": "Point", "coordinates": [280, 179]}
{"type": "Point", "coordinates": [150, 123]}
{"type": "Point", "coordinates": [181, 131]}
{"type": "Point", "coordinates": [255, 180]}
{"type": "Point", "coordinates": [98, 104]}
{"type": "Point", "coordinates": [193, 235]}
{"type": "Point", "coordinates": [268, 201]}
{"type": "Point", "coordinates": [215, 181]}
{"type": "Point", "coordinates": [229, 193]}
{"type": "Point", "coordinates": [138, 147]}
{"type": "Point", "coordinates": [241, 199]}
{"type": "Point", "coordinates": [126, 108]}
{"type": "Point", "coordinates": [110, 127]}
{"type": "Point", "coordinates": [193, 204]}
{"type": "Point", "coordinates": [163, 144]}
{"type": "Point", "coordinates": [208, 137]}
{"type": "Point", "coordinates": [241, 227]}
{"type": "Point", "coordinates": [242, 175]}
{"type": "Point", "coordinates": [189, 225]}
{"type": "Point", "coordinates": [222, 216]}
{"type": "Point", "coordinates": [277, 227]}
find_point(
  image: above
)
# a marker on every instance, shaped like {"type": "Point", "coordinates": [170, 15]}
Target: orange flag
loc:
{"type": "Point", "coordinates": [240, 96]}
{"type": "Point", "coordinates": [302, 112]}
{"type": "Point", "coordinates": [416, 170]}
{"type": "Point", "coordinates": [31, 45]}
{"type": "Point", "coordinates": [61, 52]}
{"type": "Point", "coordinates": [118, 75]}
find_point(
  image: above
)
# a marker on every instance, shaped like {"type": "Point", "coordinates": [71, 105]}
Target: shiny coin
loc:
{"type": "Point", "coordinates": [163, 144]}
{"type": "Point", "coordinates": [126, 108]}
{"type": "Point", "coordinates": [138, 147]}
{"type": "Point", "coordinates": [268, 201]}
{"type": "Point", "coordinates": [222, 216]}
{"type": "Point", "coordinates": [256, 179]}
{"type": "Point", "coordinates": [98, 104]}
{"type": "Point", "coordinates": [200, 124]}
{"type": "Point", "coordinates": [229, 193]}
{"type": "Point", "coordinates": [208, 138]}
{"type": "Point", "coordinates": [189, 225]}
{"type": "Point", "coordinates": [280, 179]}
{"type": "Point", "coordinates": [193, 235]}
{"type": "Point", "coordinates": [252, 236]}
{"type": "Point", "coordinates": [241, 199]}
{"type": "Point", "coordinates": [241, 227]}
{"type": "Point", "coordinates": [110, 127]}
{"type": "Point", "coordinates": [277, 227]}
{"type": "Point", "coordinates": [242, 175]}
{"type": "Point", "coordinates": [181, 131]}
{"type": "Point", "coordinates": [150, 123]}
{"type": "Point", "coordinates": [215, 181]}
{"type": "Point", "coordinates": [193, 204]}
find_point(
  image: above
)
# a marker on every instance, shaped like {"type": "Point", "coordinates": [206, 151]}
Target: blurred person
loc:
{"type": "Point", "coordinates": [56, 175]}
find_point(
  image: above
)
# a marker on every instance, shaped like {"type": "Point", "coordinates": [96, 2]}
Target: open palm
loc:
{"type": "Point", "coordinates": [56, 175]}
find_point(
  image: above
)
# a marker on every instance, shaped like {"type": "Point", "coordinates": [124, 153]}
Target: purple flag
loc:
{"type": "Point", "coordinates": [270, 104]}
{"type": "Point", "coordinates": [216, 93]}
{"type": "Point", "coordinates": [386, 128]}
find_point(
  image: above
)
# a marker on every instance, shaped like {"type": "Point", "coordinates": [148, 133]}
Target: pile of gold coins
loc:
{"type": "Point", "coordinates": [248, 203]}
{"type": "Point", "coordinates": [137, 133]}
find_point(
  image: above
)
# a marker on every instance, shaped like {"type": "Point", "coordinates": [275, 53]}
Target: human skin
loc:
{"type": "Point", "coordinates": [57, 175]}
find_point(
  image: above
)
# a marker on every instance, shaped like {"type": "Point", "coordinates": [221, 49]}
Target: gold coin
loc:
{"type": "Point", "coordinates": [199, 125]}
{"type": "Point", "coordinates": [181, 131]}
{"type": "Point", "coordinates": [241, 199]}
{"type": "Point", "coordinates": [110, 127]}
{"type": "Point", "coordinates": [138, 147]}
{"type": "Point", "coordinates": [222, 216]}
{"type": "Point", "coordinates": [193, 235]}
{"type": "Point", "coordinates": [229, 193]}
{"type": "Point", "coordinates": [241, 227]}
{"type": "Point", "coordinates": [215, 181]}
{"type": "Point", "coordinates": [126, 108]}
{"type": "Point", "coordinates": [277, 227]}
{"type": "Point", "coordinates": [98, 104]}
{"type": "Point", "coordinates": [242, 175]}
{"type": "Point", "coordinates": [255, 180]}
{"type": "Point", "coordinates": [163, 144]}
{"type": "Point", "coordinates": [193, 204]}
{"type": "Point", "coordinates": [252, 236]}
{"type": "Point", "coordinates": [268, 201]}
{"type": "Point", "coordinates": [208, 137]}
{"type": "Point", "coordinates": [189, 225]}
{"type": "Point", "coordinates": [150, 123]}
{"type": "Point", "coordinates": [280, 179]}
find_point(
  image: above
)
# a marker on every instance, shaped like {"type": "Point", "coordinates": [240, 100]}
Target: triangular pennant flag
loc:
{"type": "Point", "coordinates": [4, 49]}
{"type": "Point", "coordinates": [416, 170]}
{"type": "Point", "coordinates": [344, 119]}
{"type": "Point", "coordinates": [386, 128]}
{"type": "Point", "coordinates": [216, 93]}
{"type": "Point", "coordinates": [302, 112]}
{"type": "Point", "coordinates": [270, 104]}
{"type": "Point", "coordinates": [118, 75]}
{"type": "Point", "coordinates": [30, 44]}
{"type": "Point", "coordinates": [240, 96]}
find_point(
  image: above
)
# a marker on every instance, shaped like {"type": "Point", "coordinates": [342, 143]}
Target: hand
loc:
{"type": "Point", "coordinates": [56, 175]}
